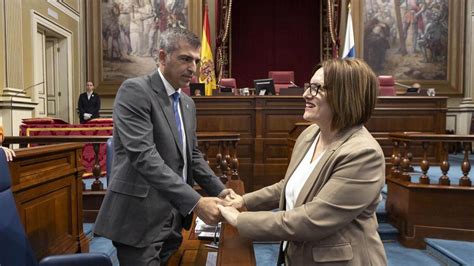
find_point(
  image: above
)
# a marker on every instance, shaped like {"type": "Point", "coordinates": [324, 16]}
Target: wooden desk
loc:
{"type": "Point", "coordinates": [47, 186]}
{"type": "Point", "coordinates": [264, 123]}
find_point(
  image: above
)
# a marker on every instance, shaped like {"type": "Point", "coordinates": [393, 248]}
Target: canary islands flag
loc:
{"type": "Point", "coordinates": [349, 43]}
{"type": "Point", "coordinates": [207, 72]}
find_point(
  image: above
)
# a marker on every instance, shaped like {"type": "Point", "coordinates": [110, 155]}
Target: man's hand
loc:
{"type": "Point", "coordinates": [9, 154]}
{"type": "Point", "coordinates": [232, 199]}
{"type": "Point", "coordinates": [87, 116]}
{"type": "Point", "coordinates": [207, 210]}
{"type": "Point", "coordinates": [230, 214]}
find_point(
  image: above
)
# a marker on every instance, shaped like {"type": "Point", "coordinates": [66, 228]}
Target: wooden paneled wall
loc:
{"type": "Point", "coordinates": [264, 123]}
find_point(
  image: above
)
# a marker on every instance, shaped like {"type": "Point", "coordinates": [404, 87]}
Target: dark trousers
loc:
{"type": "Point", "coordinates": [159, 251]}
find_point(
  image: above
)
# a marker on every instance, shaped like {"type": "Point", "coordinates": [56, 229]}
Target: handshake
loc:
{"type": "Point", "coordinates": [212, 210]}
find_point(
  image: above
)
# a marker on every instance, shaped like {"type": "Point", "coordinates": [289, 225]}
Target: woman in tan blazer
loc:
{"type": "Point", "coordinates": [330, 192]}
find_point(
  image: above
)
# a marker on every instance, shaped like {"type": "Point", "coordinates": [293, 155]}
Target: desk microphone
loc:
{"type": "Point", "coordinates": [402, 85]}
{"type": "Point", "coordinates": [16, 94]}
{"type": "Point", "coordinates": [292, 83]}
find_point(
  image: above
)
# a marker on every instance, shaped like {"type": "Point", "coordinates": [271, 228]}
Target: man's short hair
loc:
{"type": "Point", "coordinates": [169, 39]}
{"type": "Point", "coordinates": [352, 89]}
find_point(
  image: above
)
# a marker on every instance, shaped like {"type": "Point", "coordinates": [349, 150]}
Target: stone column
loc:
{"type": "Point", "coordinates": [14, 106]}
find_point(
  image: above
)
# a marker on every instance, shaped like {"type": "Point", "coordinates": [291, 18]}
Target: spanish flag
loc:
{"type": "Point", "coordinates": [207, 70]}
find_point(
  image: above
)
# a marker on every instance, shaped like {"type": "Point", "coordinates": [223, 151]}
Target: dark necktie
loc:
{"type": "Point", "coordinates": [176, 96]}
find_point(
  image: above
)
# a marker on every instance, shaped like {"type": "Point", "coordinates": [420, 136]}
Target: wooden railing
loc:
{"type": "Point", "coordinates": [429, 208]}
{"type": "Point", "coordinates": [226, 162]}
{"type": "Point", "coordinates": [402, 156]}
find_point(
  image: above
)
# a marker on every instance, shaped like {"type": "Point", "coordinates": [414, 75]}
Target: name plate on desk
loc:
{"type": "Point", "coordinates": [209, 235]}
{"type": "Point", "coordinates": [292, 91]}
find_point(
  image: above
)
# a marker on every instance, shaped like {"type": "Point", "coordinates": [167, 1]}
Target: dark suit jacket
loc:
{"type": "Point", "coordinates": [146, 180]}
{"type": "Point", "coordinates": [91, 106]}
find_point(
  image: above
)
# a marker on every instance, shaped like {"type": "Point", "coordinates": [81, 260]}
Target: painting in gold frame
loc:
{"type": "Point", "coordinates": [119, 48]}
{"type": "Point", "coordinates": [413, 40]}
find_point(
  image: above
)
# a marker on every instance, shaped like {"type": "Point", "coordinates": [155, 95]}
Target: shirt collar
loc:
{"type": "Point", "coordinates": [169, 89]}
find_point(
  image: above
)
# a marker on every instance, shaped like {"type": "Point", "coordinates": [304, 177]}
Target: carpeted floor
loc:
{"type": "Point", "coordinates": [438, 252]}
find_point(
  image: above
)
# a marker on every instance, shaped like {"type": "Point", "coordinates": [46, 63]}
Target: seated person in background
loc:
{"type": "Point", "coordinates": [9, 153]}
{"type": "Point", "coordinates": [197, 92]}
{"type": "Point", "coordinates": [89, 104]}
{"type": "Point", "coordinates": [328, 198]}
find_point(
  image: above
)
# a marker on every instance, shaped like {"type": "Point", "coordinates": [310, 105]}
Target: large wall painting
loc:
{"type": "Point", "coordinates": [122, 37]}
{"type": "Point", "coordinates": [130, 33]}
{"type": "Point", "coordinates": [414, 40]}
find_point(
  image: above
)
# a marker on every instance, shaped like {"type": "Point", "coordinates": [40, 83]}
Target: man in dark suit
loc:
{"type": "Point", "coordinates": [89, 104]}
{"type": "Point", "coordinates": [150, 196]}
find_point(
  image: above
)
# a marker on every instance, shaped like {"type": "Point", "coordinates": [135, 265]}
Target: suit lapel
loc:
{"type": "Point", "coordinates": [300, 153]}
{"type": "Point", "coordinates": [165, 105]}
{"type": "Point", "coordinates": [317, 179]}
{"type": "Point", "coordinates": [187, 117]}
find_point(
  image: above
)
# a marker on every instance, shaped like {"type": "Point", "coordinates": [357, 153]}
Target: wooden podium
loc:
{"type": "Point", "coordinates": [233, 249]}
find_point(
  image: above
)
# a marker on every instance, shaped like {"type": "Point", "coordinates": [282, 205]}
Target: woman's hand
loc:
{"type": "Point", "coordinates": [9, 154]}
{"type": "Point", "coordinates": [233, 199]}
{"type": "Point", "coordinates": [229, 213]}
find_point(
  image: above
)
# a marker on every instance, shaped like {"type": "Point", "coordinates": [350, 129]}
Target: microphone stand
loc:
{"type": "Point", "coordinates": [215, 240]}
{"type": "Point", "coordinates": [292, 83]}
{"type": "Point", "coordinates": [402, 85]}
{"type": "Point", "coordinates": [16, 94]}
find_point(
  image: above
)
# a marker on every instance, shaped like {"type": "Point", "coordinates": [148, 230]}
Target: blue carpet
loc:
{"type": "Point", "coordinates": [400, 256]}
{"type": "Point", "coordinates": [266, 254]}
{"type": "Point", "coordinates": [88, 182]}
{"type": "Point", "coordinates": [104, 245]}
{"type": "Point", "coordinates": [87, 228]}
{"type": "Point", "coordinates": [451, 252]}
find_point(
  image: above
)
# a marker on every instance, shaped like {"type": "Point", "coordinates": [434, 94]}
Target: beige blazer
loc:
{"type": "Point", "coordinates": [333, 221]}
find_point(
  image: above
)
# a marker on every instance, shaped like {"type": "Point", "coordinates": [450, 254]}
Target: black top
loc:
{"type": "Point", "coordinates": [91, 106]}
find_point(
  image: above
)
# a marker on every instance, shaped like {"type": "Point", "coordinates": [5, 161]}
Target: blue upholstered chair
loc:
{"type": "Point", "coordinates": [109, 157]}
{"type": "Point", "coordinates": [14, 246]}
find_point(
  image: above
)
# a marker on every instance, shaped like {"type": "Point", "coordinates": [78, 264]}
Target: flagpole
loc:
{"type": "Point", "coordinates": [207, 69]}
{"type": "Point", "coordinates": [349, 41]}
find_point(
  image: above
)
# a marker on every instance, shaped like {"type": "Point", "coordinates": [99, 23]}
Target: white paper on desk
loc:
{"type": "Point", "coordinates": [209, 234]}
{"type": "Point", "coordinates": [201, 226]}
{"type": "Point", "coordinates": [211, 259]}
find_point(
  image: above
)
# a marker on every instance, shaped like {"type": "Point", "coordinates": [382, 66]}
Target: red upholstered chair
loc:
{"type": "Point", "coordinates": [282, 79]}
{"type": "Point", "coordinates": [228, 83]}
{"type": "Point", "coordinates": [387, 84]}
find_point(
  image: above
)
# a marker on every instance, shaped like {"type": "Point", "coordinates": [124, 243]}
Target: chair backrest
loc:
{"type": "Point", "coordinates": [109, 158]}
{"type": "Point", "coordinates": [14, 246]}
{"type": "Point", "coordinates": [228, 83]}
{"type": "Point", "coordinates": [282, 79]}
{"type": "Point", "coordinates": [387, 86]}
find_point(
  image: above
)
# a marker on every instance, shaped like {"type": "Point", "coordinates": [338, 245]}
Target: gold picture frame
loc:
{"type": "Point", "coordinates": [96, 14]}
{"type": "Point", "coordinates": [433, 35]}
